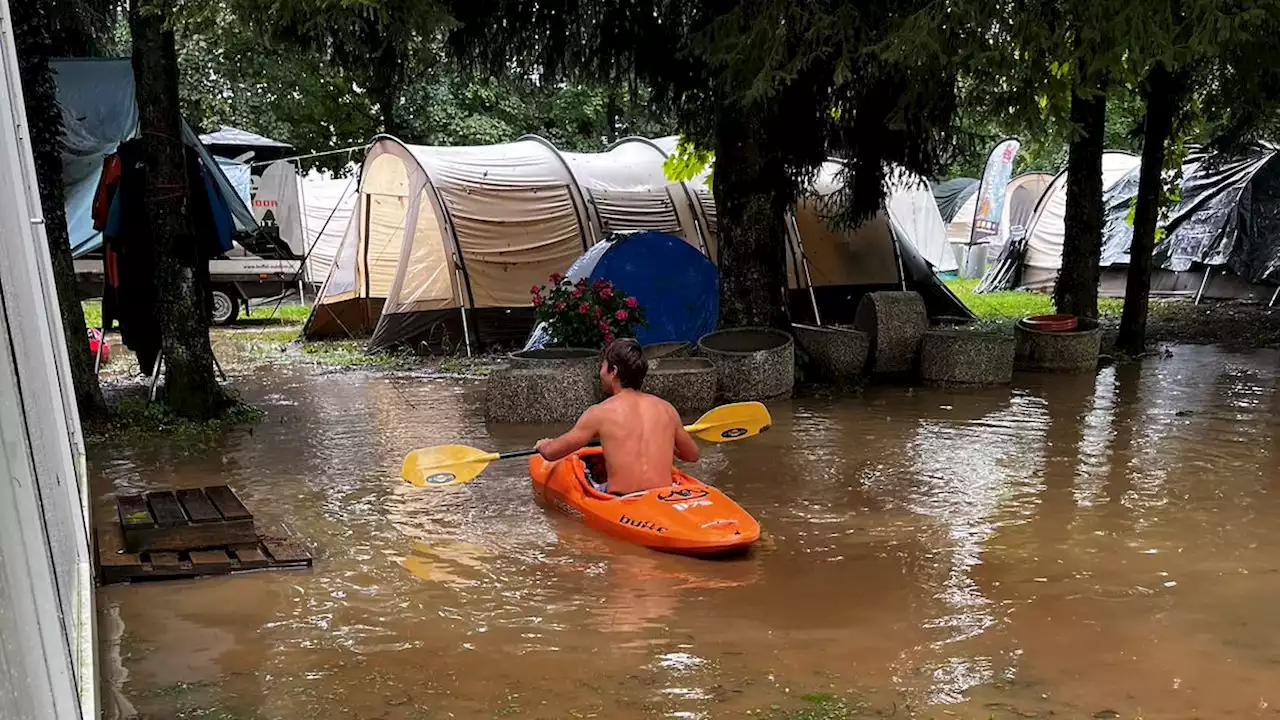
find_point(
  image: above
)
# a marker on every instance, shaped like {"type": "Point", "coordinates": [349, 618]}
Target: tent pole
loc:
{"type": "Point", "coordinates": [1274, 295]}
{"type": "Point", "coordinates": [462, 308]}
{"type": "Point", "coordinates": [466, 333]}
{"type": "Point", "coordinates": [1203, 284]}
{"type": "Point", "coordinates": [897, 258]}
{"type": "Point", "coordinates": [804, 262]}
{"type": "Point", "coordinates": [155, 376]}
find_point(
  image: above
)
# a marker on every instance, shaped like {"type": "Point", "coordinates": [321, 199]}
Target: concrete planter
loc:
{"type": "Point", "coordinates": [896, 322]}
{"type": "Point", "coordinates": [957, 356]}
{"type": "Point", "coordinates": [552, 385]}
{"type": "Point", "coordinates": [552, 357]}
{"type": "Point", "coordinates": [667, 350]}
{"type": "Point", "coordinates": [751, 363]}
{"type": "Point", "coordinates": [836, 354]}
{"type": "Point", "coordinates": [687, 383]}
{"type": "Point", "coordinates": [1075, 351]}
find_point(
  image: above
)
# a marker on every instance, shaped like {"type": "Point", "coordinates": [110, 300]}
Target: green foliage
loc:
{"type": "Point", "coordinates": [288, 84]}
{"type": "Point", "coordinates": [230, 75]}
{"type": "Point", "coordinates": [688, 162]}
{"type": "Point", "coordinates": [585, 315]}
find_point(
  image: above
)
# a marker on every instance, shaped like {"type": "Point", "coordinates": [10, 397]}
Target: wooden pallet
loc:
{"type": "Point", "coordinates": [115, 564]}
{"type": "Point", "coordinates": [190, 533]}
{"type": "Point", "coordinates": [211, 517]}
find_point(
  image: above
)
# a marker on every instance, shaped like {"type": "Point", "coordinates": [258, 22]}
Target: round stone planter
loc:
{"type": "Point", "coordinates": [687, 383]}
{"type": "Point", "coordinates": [667, 350]}
{"type": "Point", "coordinates": [1075, 351]}
{"type": "Point", "coordinates": [957, 356]}
{"type": "Point", "coordinates": [836, 354]}
{"type": "Point", "coordinates": [550, 357]}
{"type": "Point", "coordinates": [896, 322]}
{"type": "Point", "coordinates": [751, 363]}
{"type": "Point", "coordinates": [551, 385]}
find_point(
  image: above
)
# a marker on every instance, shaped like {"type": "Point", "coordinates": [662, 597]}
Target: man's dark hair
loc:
{"type": "Point", "coordinates": [625, 357]}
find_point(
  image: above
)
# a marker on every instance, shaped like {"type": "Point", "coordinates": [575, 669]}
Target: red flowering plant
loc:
{"type": "Point", "coordinates": [585, 315]}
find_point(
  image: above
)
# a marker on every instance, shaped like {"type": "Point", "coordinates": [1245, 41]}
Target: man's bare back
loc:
{"type": "Point", "coordinates": [641, 433]}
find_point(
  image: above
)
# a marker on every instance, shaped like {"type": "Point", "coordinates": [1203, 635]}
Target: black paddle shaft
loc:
{"type": "Point", "coordinates": [527, 453]}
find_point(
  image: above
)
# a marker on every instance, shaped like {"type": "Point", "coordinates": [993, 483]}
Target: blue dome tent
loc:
{"type": "Point", "coordinates": [675, 284]}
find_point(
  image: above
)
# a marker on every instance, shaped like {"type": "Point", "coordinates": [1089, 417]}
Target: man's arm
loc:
{"type": "Point", "coordinates": [686, 448]}
{"type": "Point", "coordinates": [572, 441]}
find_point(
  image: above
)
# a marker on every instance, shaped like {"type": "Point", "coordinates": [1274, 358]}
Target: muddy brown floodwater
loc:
{"type": "Point", "coordinates": [1098, 546]}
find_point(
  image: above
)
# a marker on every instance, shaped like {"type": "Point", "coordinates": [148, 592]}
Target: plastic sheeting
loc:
{"type": "Point", "coordinates": [1228, 214]}
{"type": "Point", "coordinates": [675, 284]}
{"type": "Point", "coordinates": [99, 111]}
{"type": "Point", "coordinates": [238, 176]}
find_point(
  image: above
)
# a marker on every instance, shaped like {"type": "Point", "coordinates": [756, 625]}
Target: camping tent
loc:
{"type": "Point", "coordinates": [626, 190]}
{"type": "Point", "coordinates": [327, 205]}
{"type": "Point", "coordinates": [1042, 258]}
{"type": "Point", "coordinates": [831, 268]}
{"type": "Point", "coordinates": [243, 145]}
{"type": "Point", "coordinates": [1227, 217]}
{"type": "Point", "coordinates": [445, 242]}
{"type": "Point", "coordinates": [952, 194]}
{"type": "Point", "coordinates": [99, 112]}
{"type": "Point", "coordinates": [675, 283]}
{"type": "Point", "coordinates": [437, 229]}
{"type": "Point", "coordinates": [1020, 198]}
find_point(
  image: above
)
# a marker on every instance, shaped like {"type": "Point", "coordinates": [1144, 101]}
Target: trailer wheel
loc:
{"type": "Point", "coordinates": [226, 307]}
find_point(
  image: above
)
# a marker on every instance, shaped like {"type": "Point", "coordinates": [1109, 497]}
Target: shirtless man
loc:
{"type": "Point", "coordinates": [639, 432]}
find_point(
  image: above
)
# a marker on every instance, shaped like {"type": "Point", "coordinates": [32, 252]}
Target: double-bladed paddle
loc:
{"type": "Point", "coordinates": [445, 465]}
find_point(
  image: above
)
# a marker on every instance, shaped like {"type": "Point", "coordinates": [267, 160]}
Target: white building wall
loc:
{"type": "Point", "coordinates": [47, 643]}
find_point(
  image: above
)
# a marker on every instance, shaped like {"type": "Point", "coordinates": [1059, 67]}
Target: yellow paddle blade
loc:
{"type": "Point", "coordinates": [445, 465]}
{"type": "Point", "coordinates": [734, 421]}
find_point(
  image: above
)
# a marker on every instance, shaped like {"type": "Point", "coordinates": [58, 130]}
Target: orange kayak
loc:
{"type": "Point", "coordinates": [689, 517]}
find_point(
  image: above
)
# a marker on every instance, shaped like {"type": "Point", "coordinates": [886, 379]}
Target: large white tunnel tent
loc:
{"type": "Point", "coordinates": [444, 243]}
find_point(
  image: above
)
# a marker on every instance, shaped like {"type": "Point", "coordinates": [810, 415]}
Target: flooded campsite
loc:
{"type": "Point", "coordinates": [1100, 545]}
{"type": "Point", "coordinates": [631, 360]}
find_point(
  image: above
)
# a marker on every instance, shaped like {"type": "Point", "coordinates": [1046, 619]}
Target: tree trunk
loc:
{"type": "Point", "coordinates": [1077, 288]}
{"type": "Point", "coordinates": [1164, 93]}
{"type": "Point", "coordinates": [32, 32]}
{"type": "Point", "coordinates": [191, 390]}
{"type": "Point", "coordinates": [386, 89]}
{"type": "Point", "coordinates": [751, 192]}
{"type": "Point", "coordinates": [611, 114]}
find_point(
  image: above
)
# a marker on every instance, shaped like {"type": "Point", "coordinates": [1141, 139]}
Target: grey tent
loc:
{"type": "Point", "coordinates": [951, 194]}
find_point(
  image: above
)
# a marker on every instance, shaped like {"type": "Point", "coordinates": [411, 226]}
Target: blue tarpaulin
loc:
{"type": "Point", "coordinates": [675, 284]}
{"type": "Point", "coordinates": [96, 98]}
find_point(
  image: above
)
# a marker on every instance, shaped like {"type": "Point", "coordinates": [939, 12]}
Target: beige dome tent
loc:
{"type": "Point", "coordinates": [444, 243]}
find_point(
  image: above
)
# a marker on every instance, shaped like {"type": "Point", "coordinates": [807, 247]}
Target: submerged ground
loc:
{"type": "Point", "coordinates": [1097, 546]}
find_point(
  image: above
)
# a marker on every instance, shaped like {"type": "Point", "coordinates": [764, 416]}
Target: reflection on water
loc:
{"type": "Point", "coordinates": [1102, 544]}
